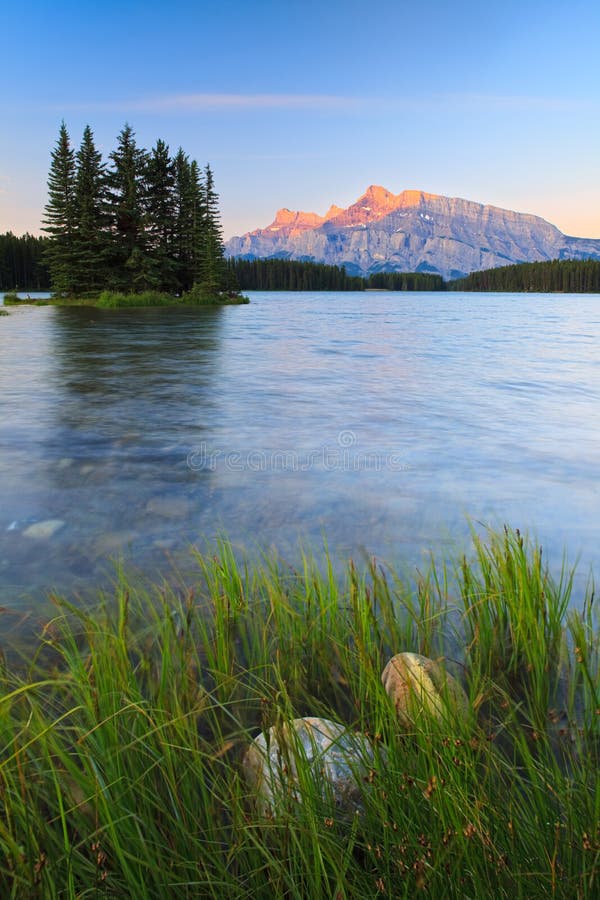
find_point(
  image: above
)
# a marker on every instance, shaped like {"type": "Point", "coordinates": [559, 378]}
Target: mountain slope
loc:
{"type": "Point", "coordinates": [412, 232]}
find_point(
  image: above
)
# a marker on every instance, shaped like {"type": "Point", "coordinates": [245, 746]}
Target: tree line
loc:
{"type": "Point", "coordinates": [291, 275]}
{"type": "Point", "coordinates": [303, 275]}
{"type": "Point", "coordinates": [21, 265]}
{"type": "Point", "coordinates": [406, 281]}
{"type": "Point", "coordinates": [556, 276]}
{"type": "Point", "coordinates": [140, 221]}
{"type": "Point", "coordinates": [567, 276]}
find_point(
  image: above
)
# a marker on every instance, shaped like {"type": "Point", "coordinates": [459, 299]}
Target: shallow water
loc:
{"type": "Point", "coordinates": [378, 421]}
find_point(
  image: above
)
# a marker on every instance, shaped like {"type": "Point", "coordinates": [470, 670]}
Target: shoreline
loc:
{"type": "Point", "coordinates": [113, 300]}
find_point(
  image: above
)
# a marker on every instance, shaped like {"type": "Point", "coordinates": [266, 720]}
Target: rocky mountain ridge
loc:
{"type": "Point", "coordinates": [412, 232]}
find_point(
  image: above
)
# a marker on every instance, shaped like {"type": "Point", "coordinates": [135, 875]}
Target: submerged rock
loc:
{"type": "Point", "coordinates": [420, 687]}
{"type": "Point", "coordinates": [169, 507]}
{"type": "Point", "coordinates": [44, 529]}
{"type": "Point", "coordinates": [113, 542]}
{"type": "Point", "coordinates": [309, 754]}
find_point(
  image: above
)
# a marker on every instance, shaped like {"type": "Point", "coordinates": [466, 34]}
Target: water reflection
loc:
{"type": "Point", "coordinates": [98, 418]}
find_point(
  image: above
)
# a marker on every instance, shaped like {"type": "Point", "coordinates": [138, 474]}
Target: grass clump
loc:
{"type": "Point", "coordinates": [114, 299]}
{"type": "Point", "coordinates": [123, 733]}
{"type": "Point", "coordinates": [206, 295]}
{"type": "Point", "coordinates": [197, 296]}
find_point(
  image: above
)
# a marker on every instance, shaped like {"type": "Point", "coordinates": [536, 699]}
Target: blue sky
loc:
{"type": "Point", "coordinates": [304, 104]}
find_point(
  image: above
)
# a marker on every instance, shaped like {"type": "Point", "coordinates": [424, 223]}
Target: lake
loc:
{"type": "Point", "coordinates": [382, 423]}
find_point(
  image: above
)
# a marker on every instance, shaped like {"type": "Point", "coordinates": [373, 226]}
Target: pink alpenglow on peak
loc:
{"type": "Point", "coordinates": [289, 222]}
{"type": "Point", "coordinates": [412, 232]}
{"type": "Point", "coordinates": [333, 211]}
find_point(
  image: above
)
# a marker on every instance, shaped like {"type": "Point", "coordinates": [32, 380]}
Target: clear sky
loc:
{"type": "Point", "coordinates": [304, 103]}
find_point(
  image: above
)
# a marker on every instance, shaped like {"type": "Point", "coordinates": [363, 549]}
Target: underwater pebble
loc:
{"type": "Point", "coordinates": [44, 529]}
{"type": "Point", "coordinates": [113, 542]}
{"type": "Point", "coordinates": [169, 507]}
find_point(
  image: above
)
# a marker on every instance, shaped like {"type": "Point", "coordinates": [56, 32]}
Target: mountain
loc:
{"type": "Point", "coordinates": [412, 232]}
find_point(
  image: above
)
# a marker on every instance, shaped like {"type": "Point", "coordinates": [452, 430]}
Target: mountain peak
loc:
{"type": "Point", "coordinates": [377, 199]}
{"type": "Point", "coordinates": [333, 211]}
{"type": "Point", "coordinates": [378, 194]}
{"type": "Point", "coordinates": [412, 232]}
{"type": "Point", "coordinates": [290, 220]}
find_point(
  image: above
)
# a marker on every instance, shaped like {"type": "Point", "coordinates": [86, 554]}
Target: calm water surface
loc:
{"type": "Point", "coordinates": [382, 422]}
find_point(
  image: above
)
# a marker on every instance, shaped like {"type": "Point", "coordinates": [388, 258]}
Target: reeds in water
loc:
{"type": "Point", "coordinates": [123, 733]}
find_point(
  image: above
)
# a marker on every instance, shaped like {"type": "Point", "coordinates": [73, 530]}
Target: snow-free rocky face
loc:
{"type": "Point", "coordinates": [412, 232]}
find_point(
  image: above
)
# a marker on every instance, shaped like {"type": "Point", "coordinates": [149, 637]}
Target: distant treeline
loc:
{"type": "Point", "coordinates": [291, 275]}
{"type": "Point", "coordinates": [294, 275]}
{"type": "Point", "coordinates": [405, 281]}
{"type": "Point", "coordinates": [21, 266]}
{"type": "Point", "coordinates": [558, 276]}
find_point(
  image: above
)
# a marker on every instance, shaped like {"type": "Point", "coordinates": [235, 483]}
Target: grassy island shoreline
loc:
{"type": "Point", "coordinates": [116, 300]}
{"type": "Point", "coordinates": [124, 730]}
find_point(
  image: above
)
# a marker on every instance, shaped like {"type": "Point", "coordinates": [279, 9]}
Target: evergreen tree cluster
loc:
{"type": "Point", "coordinates": [21, 266]}
{"type": "Point", "coordinates": [291, 275]}
{"type": "Point", "coordinates": [143, 220]}
{"type": "Point", "coordinates": [406, 281]}
{"type": "Point", "coordinates": [557, 276]}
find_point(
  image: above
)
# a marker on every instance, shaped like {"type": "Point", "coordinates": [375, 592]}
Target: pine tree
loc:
{"type": "Point", "coordinates": [127, 259]}
{"type": "Point", "coordinates": [186, 201]}
{"type": "Point", "coordinates": [212, 269]}
{"type": "Point", "coordinates": [60, 215]}
{"type": "Point", "coordinates": [198, 233]}
{"type": "Point", "coordinates": [90, 236]}
{"type": "Point", "coordinates": [161, 216]}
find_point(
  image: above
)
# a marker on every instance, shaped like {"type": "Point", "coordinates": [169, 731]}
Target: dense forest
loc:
{"type": "Point", "coordinates": [566, 276]}
{"type": "Point", "coordinates": [142, 221]}
{"type": "Point", "coordinates": [295, 275]}
{"type": "Point", "coordinates": [291, 275]}
{"type": "Point", "coordinates": [21, 266]}
{"type": "Point", "coordinates": [405, 281]}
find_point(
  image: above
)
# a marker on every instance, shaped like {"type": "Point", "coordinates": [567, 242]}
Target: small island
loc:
{"type": "Point", "coordinates": [114, 300]}
{"type": "Point", "coordinates": [142, 229]}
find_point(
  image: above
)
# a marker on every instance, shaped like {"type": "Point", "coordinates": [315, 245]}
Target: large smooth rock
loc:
{"type": "Point", "coordinates": [420, 688]}
{"type": "Point", "coordinates": [309, 754]}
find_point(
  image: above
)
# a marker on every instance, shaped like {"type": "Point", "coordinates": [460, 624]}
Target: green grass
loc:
{"type": "Point", "coordinates": [123, 731]}
{"type": "Point", "coordinates": [117, 300]}
{"type": "Point", "coordinates": [113, 299]}
{"type": "Point", "coordinates": [11, 298]}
